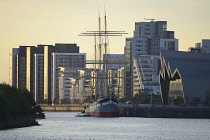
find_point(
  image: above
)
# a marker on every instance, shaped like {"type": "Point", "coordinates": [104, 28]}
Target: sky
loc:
{"type": "Point", "coordinates": [32, 22]}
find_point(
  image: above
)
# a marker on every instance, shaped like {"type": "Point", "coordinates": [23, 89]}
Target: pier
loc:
{"type": "Point", "coordinates": [166, 112]}
{"type": "Point", "coordinates": [147, 112]}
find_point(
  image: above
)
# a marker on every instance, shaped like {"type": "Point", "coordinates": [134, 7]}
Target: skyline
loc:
{"type": "Point", "coordinates": [52, 21]}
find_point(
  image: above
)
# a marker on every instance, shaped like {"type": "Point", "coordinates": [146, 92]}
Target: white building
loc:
{"type": "Point", "coordinates": [71, 60]}
{"type": "Point", "coordinates": [121, 83]}
{"type": "Point", "coordinates": [146, 75]}
{"type": "Point", "coordinates": [65, 77]}
{"type": "Point", "coordinates": [86, 87]}
{"type": "Point", "coordinates": [75, 84]}
{"type": "Point", "coordinates": [149, 39]}
{"type": "Point", "coordinates": [74, 89]}
{"type": "Point", "coordinates": [139, 46]}
{"type": "Point", "coordinates": [169, 44]}
{"type": "Point", "coordinates": [116, 82]}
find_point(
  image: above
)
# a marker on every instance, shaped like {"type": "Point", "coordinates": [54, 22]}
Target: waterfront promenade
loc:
{"type": "Point", "coordinates": [64, 107]}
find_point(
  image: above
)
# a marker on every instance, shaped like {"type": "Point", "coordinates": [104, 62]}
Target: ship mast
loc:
{"type": "Point", "coordinates": [101, 87]}
{"type": "Point", "coordinates": [100, 58]}
{"type": "Point", "coordinates": [105, 59]}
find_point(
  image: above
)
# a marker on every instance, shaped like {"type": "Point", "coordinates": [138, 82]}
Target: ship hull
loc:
{"type": "Point", "coordinates": [106, 114]}
{"type": "Point", "coordinates": [105, 109]}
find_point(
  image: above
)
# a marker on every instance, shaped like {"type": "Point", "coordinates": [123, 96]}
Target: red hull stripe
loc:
{"type": "Point", "coordinates": [104, 114]}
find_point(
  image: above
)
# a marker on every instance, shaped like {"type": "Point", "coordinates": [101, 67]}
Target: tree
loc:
{"type": "Point", "coordinates": [18, 104]}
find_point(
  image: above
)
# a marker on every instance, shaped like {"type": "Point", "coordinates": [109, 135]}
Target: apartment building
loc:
{"type": "Point", "coordinates": [146, 75]}
{"type": "Point", "coordinates": [24, 62]}
{"type": "Point", "coordinates": [149, 39]}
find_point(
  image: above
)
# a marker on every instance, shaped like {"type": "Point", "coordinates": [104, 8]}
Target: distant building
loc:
{"type": "Point", "coordinates": [149, 39]}
{"type": "Point", "coordinates": [114, 67]}
{"type": "Point", "coordinates": [206, 45]}
{"type": "Point", "coordinates": [152, 29]}
{"type": "Point", "coordinates": [197, 48]}
{"type": "Point", "coordinates": [146, 75]}
{"type": "Point", "coordinates": [13, 62]}
{"type": "Point", "coordinates": [48, 50]}
{"type": "Point", "coordinates": [185, 77]}
{"type": "Point", "coordinates": [39, 77]}
{"type": "Point", "coordinates": [68, 60]}
{"type": "Point", "coordinates": [192, 49]}
{"type": "Point", "coordinates": [65, 76]}
{"type": "Point", "coordinates": [121, 83]}
{"type": "Point", "coordinates": [203, 47]}
{"type": "Point", "coordinates": [75, 84]}
{"type": "Point", "coordinates": [113, 85]}
{"type": "Point", "coordinates": [24, 62]}
{"type": "Point", "coordinates": [115, 61]}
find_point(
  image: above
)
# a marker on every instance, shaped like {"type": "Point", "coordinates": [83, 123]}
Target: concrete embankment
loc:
{"type": "Point", "coordinates": [145, 111]}
{"type": "Point", "coordinates": [166, 112]}
{"type": "Point", "coordinates": [68, 107]}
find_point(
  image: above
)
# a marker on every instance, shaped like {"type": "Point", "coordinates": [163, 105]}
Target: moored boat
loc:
{"type": "Point", "coordinates": [103, 107]}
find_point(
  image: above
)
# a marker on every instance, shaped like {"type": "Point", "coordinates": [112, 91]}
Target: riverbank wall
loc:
{"type": "Point", "coordinates": [142, 111]}
{"type": "Point", "coordinates": [165, 112]}
{"type": "Point", "coordinates": [67, 107]}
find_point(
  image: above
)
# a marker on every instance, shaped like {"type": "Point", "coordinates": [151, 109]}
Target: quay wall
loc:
{"type": "Point", "coordinates": [148, 112]}
{"type": "Point", "coordinates": [165, 112]}
{"type": "Point", "coordinates": [79, 108]}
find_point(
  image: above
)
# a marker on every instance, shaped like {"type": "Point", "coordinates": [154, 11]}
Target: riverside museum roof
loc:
{"type": "Point", "coordinates": [192, 68]}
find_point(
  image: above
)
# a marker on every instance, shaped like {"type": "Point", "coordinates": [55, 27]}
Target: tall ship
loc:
{"type": "Point", "coordinates": [103, 107]}
{"type": "Point", "coordinates": [105, 103]}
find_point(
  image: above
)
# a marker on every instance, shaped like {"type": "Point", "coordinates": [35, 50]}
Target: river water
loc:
{"type": "Point", "coordinates": [65, 126]}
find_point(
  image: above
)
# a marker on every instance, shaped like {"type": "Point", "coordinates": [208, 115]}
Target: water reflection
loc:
{"type": "Point", "coordinates": [65, 126]}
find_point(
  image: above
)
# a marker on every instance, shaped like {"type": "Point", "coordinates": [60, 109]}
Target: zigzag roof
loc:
{"type": "Point", "coordinates": [186, 64]}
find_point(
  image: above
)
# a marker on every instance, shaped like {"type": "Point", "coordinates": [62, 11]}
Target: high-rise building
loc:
{"type": "Point", "coordinates": [152, 29]}
{"type": "Point", "coordinates": [21, 67]}
{"type": "Point", "coordinates": [22, 63]}
{"type": "Point", "coordinates": [149, 39]}
{"type": "Point", "coordinates": [39, 77]}
{"type": "Point", "coordinates": [26, 60]}
{"type": "Point", "coordinates": [48, 50]}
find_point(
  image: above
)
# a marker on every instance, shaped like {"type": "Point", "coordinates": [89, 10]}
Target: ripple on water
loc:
{"type": "Point", "coordinates": [65, 126]}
